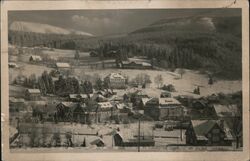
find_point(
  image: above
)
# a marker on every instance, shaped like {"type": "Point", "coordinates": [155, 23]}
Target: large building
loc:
{"type": "Point", "coordinates": [116, 81]}
{"type": "Point", "coordinates": [209, 132]}
{"type": "Point", "coordinates": [164, 108]}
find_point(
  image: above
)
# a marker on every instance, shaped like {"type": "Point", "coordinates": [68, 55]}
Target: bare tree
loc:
{"type": "Point", "coordinates": [181, 71]}
{"type": "Point", "coordinates": [159, 80]}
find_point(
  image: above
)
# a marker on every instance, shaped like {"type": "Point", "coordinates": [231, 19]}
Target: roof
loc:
{"type": "Point", "coordinates": [96, 141]}
{"type": "Point", "coordinates": [74, 96]}
{"type": "Point", "coordinates": [71, 104]}
{"type": "Point", "coordinates": [202, 127]}
{"type": "Point", "coordinates": [163, 102]}
{"type": "Point", "coordinates": [62, 65]}
{"type": "Point", "coordinates": [225, 110]}
{"type": "Point", "coordinates": [145, 100]}
{"type": "Point", "coordinates": [16, 100]}
{"type": "Point", "coordinates": [34, 91]}
{"type": "Point", "coordinates": [36, 57]}
{"type": "Point", "coordinates": [105, 105]}
{"type": "Point", "coordinates": [116, 76]}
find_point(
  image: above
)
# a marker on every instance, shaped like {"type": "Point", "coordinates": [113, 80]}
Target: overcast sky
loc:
{"type": "Point", "coordinates": [105, 22]}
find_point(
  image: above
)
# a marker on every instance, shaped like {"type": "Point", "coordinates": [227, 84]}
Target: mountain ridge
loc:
{"type": "Point", "coordinates": [24, 26]}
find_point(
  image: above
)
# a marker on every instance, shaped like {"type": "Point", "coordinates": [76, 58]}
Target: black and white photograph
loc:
{"type": "Point", "coordinates": [125, 80]}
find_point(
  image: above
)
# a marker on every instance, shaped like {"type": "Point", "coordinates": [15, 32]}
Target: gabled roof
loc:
{"type": "Point", "coordinates": [75, 96]}
{"type": "Point", "coordinates": [33, 91]}
{"type": "Point", "coordinates": [145, 100]}
{"type": "Point", "coordinates": [202, 127]}
{"type": "Point", "coordinates": [115, 76]}
{"type": "Point", "coordinates": [16, 100]}
{"type": "Point", "coordinates": [36, 57]}
{"type": "Point", "coordinates": [96, 141]}
{"type": "Point", "coordinates": [225, 110]}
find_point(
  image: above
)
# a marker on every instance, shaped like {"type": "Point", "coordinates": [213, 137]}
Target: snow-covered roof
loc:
{"type": "Point", "coordinates": [105, 105]}
{"type": "Point", "coordinates": [62, 65]}
{"type": "Point", "coordinates": [34, 91]}
{"type": "Point", "coordinates": [36, 57]}
{"type": "Point", "coordinates": [116, 76]}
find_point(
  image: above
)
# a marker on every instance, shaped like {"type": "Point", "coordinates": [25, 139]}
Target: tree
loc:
{"type": "Point", "coordinates": [159, 80]}
{"type": "Point", "coordinates": [57, 139]}
{"type": "Point", "coordinates": [77, 55]}
{"type": "Point", "coordinates": [68, 136]}
{"type": "Point", "coordinates": [181, 71]}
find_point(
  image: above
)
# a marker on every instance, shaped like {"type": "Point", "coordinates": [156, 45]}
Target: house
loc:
{"type": "Point", "coordinates": [105, 111]}
{"type": "Point", "coordinates": [164, 108]}
{"type": "Point", "coordinates": [169, 88]}
{"type": "Point", "coordinates": [20, 80]}
{"type": "Point", "coordinates": [16, 104]}
{"type": "Point", "coordinates": [12, 65]}
{"type": "Point", "coordinates": [143, 102]}
{"type": "Point", "coordinates": [78, 97]}
{"type": "Point", "coordinates": [165, 94]}
{"type": "Point", "coordinates": [136, 96]}
{"type": "Point", "coordinates": [116, 81]}
{"type": "Point", "coordinates": [62, 66]}
{"type": "Point", "coordinates": [32, 94]}
{"type": "Point", "coordinates": [35, 58]}
{"type": "Point", "coordinates": [208, 132]}
{"type": "Point", "coordinates": [124, 140]}
{"type": "Point", "coordinates": [71, 111]}
{"type": "Point", "coordinates": [135, 65]}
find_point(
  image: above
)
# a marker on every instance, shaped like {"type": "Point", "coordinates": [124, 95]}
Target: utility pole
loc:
{"type": "Point", "coordinates": [181, 122]}
{"type": "Point", "coordinates": [139, 135]}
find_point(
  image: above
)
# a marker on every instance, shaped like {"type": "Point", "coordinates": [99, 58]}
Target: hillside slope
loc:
{"type": "Point", "coordinates": [43, 28]}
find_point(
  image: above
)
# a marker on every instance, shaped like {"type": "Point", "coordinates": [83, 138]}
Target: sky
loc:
{"type": "Point", "coordinates": [108, 22]}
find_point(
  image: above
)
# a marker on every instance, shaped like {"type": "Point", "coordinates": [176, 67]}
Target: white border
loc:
{"type": "Point", "coordinates": [124, 156]}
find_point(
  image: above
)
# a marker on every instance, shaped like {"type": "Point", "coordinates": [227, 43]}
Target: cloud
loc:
{"type": "Point", "coordinates": [93, 21]}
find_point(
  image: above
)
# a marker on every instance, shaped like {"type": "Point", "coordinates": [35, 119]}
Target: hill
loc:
{"type": "Point", "coordinates": [43, 28]}
{"type": "Point", "coordinates": [208, 44]}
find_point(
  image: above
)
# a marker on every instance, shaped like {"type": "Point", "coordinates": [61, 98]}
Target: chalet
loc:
{"type": "Point", "coordinates": [12, 65]}
{"type": "Point", "coordinates": [186, 100]}
{"type": "Point", "coordinates": [105, 110]}
{"type": "Point", "coordinates": [35, 58]}
{"type": "Point", "coordinates": [135, 65]}
{"type": "Point", "coordinates": [164, 108]}
{"type": "Point", "coordinates": [116, 81]}
{"type": "Point", "coordinates": [16, 104]}
{"type": "Point", "coordinates": [71, 111]}
{"type": "Point", "coordinates": [32, 94]}
{"type": "Point", "coordinates": [132, 141]}
{"type": "Point", "coordinates": [136, 96]}
{"type": "Point", "coordinates": [208, 132]}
